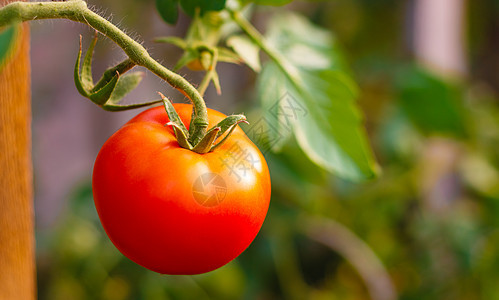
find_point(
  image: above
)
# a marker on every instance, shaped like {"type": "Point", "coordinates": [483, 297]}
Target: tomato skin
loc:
{"type": "Point", "coordinates": [144, 188]}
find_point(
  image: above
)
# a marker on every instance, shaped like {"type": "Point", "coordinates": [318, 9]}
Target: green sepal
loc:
{"type": "Point", "coordinates": [179, 128]}
{"type": "Point", "coordinates": [224, 139]}
{"type": "Point", "coordinates": [86, 68]}
{"type": "Point", "coordinates": [172, 114]}
{"type": "Point", "coordinates": [111, 87]}
{"type": "Point", "coordinates": [228, 56]}
{"type": "Point", "coordinates": [109, 106]}
{"type": "Point", "coordinates": [229, 124]}
{"type": "Point", "coordinates": [126, 84]}
{"type": "Point", "coordinates": [101, 96]}
{"type": "Point", "coordinates": [206, 59]}
{"type": "Point", "coordinates": [216, 82]}
{"type": "Point", "coordinates": [230, 121]}
{"type": "Point", "coordinates": [188, 56]}
{"type": "Point", "coordinates": [108, 75]}
{"type": "Point", "coordinates": [78, 83]}
{"type": "Point", "coordinates": [182, 139]}
{"type": "Point", "coordinates": [176, 41]}
{"type": "Point", "coordinates": [204, 145]}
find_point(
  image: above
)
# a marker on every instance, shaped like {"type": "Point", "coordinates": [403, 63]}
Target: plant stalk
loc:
{"type": "Point", "coordinates": [77, 10]}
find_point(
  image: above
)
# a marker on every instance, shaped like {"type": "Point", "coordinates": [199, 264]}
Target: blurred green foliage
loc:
{"type": "Point", "coordinates": [8, 37]}
{"type": "Point", "coordinates": [434, 226]}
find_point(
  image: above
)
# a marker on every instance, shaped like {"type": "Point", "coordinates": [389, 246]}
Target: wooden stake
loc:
{"type": "Point", "coordinates": [17, 262]}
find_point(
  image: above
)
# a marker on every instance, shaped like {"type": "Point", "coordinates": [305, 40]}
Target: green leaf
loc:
{"type": "Point", "coordinates": [102, 96]}
{"type": "Point", "coordinates": [190, 6]}
{"type": "Point", "coordinates": [247, 50]}
{"type": "Point", "coordinates": [313, 97]}
{"type": "Point", "coordinates": [273, 89]}
{"type": "Point", "coordinates": [76, 75]}
{"type": "Point", "coordinates": [86, 68]}
{"type": "Point", "coordinates": [168, 10]}
{"type": "Point", "coordinates": [433, 105]}
{"type": "Point", "coordinates": [7, 42]}
{"type": "Point", "coordinates": [304, 45]}
{"type": "Point", "coordinates": [332, 135]}
{"type": "Point", "coordinates": [126, 83]}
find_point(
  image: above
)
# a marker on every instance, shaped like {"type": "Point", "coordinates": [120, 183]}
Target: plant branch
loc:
{"type": "Point", "coordinates": [76, 10]}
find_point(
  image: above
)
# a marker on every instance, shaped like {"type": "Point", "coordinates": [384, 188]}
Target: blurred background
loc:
{"type": "Point", "coordinates": [426, 228]}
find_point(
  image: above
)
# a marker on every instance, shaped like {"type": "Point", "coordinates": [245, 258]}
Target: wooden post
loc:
{"type": "Point", "coordinates": [17, 262]}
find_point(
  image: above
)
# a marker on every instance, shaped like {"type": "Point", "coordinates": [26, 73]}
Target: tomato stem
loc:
{"type": "Point", "coordinates": [77, 10]}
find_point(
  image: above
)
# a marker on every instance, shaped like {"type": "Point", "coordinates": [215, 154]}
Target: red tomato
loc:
{"type": "Point", "coordinates": [175, 211]}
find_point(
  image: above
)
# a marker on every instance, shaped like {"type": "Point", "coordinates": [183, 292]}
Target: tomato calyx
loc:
{"type": "Point", "coordinates": [112, 86]}
{"type": "Point", "coordinates": [212, 139]}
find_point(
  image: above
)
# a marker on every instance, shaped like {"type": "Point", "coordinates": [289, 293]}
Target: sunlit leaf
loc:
{"type": "Point", "coordinates": [332, 135]}
{"type": "Point", "coordinates": [275, 91]}
{"type": "Point", "coordinates": [247, 50]}
{"type": "Point", "coordinates": [314, 98]}
{"type": "Point", "coordinates": [304, 44]}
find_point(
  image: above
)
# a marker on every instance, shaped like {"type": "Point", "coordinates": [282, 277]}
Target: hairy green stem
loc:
{"type": "Point", "coordinates": [76, 10]}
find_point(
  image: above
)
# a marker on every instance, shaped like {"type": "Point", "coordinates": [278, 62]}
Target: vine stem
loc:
{"type": "Point", "coordinates": [259, 40]}
{"type": "Point", "coordinates": [77, 10]}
